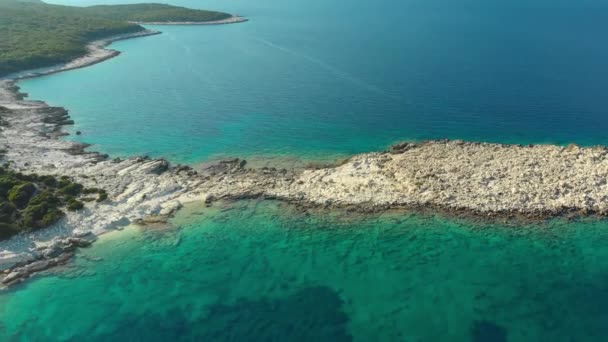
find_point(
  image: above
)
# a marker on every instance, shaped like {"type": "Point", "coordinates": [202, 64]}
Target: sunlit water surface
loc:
{"type": "Point", "coordinates": [260, 271]}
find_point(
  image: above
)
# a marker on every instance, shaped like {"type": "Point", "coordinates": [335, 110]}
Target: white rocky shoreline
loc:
{"type": "Point", "coordinates": [97, 52]}
{"type": "Point", "coordinates": [235, 19]}
{"type": "Point", "coordinates": [481, 179]}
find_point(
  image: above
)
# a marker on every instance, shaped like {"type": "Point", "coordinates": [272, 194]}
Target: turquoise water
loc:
{"type": "Point", "coordinates": [309, 79]}
{"type": "Point", "coordinates": [258, 271]}
{"type": "Point", "coordinates": [337, 77]}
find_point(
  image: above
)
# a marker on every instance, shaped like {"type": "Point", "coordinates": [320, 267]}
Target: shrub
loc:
{"type": "Point", "coordinates": [21, 194]}
{"type": "Point", "coordinates": [48, 180]}
{"type": "Point", "coordinates": [102, 196]}
{"type": "Point", "coordinates": [75, 205]}
{"type": "Point", "coordinates": [47, 197]}
{"type": "Point", "coordinates": [73, 189]}
{"type": "Point", "coordinates": [52, 215]}
{"type": "Point", "coordinates": [7, 212]}
{"type": "Point", "coordinates": [68, 199]}
{"type": "Point", "coordinates": [91, 191]}
{"type": "Point", "coordinates": [63, 183]}
{"type": "Point", "coordinates": [33, 214]}
{"type": "Point", "coordinates": [6, 184]}
{"type": "Point", "coordinates": [29, 178]}
{"type": "Point", "coordinates": [8, 229]}
{"type": "Point", "coordinates": [23, 207]}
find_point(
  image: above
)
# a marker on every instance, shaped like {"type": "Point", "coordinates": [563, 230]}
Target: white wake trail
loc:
{"type": "Point", "coordinates": [341, 73]}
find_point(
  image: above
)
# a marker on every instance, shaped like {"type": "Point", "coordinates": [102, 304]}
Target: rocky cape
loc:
{"type": "Point", "coordinates": [481, 179]}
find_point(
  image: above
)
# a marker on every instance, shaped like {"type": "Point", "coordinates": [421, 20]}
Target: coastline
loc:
{"type": "Point", "coordinates": [35, 122]}
{"type": "Point", "coordinates": [97, 52]}
{"type": "Point", "coordinates": [484, 180]}
{"type": "Point", "coordinates": [456, 177]}
{"type": "Point", "coordinates": [235, 19]}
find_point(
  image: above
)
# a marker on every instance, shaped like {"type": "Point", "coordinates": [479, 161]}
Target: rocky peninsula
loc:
{"type": "Point", "coordinates": [484, 179]}
{"type": "Point", "coordinates": [457, 177]}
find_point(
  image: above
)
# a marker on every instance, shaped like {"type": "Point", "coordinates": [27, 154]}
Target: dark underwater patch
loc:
{"type": "Point", "coordinates": [486, 331]}
{"type": "Point", "coordinates": [312, 314]}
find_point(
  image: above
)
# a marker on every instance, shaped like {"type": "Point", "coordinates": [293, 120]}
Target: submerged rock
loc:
{"type": "Point", "coordinates": [486, 331]}
{"type": "Point", "coordinates": [57, 252]}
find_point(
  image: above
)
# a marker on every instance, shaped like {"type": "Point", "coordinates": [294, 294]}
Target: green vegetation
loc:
{"type": "Point", "coordinates": [35, 35]}
{"type": "Point", "coordinates": [75, 205]}
{"type": "Point", "coordinates": [20, 194]}
{"type": "Point", "coordinates": [103, 195]}
{"type": "Point", "coordinates": [153, 13]}
{"type": "Point", "coordinates": [30, 202]}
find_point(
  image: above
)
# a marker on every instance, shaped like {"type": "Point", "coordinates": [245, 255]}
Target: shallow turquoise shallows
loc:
{"type": "Point", "coordinates": [261, 272]}
{"type": "Point", "coordinates": [320, 79]}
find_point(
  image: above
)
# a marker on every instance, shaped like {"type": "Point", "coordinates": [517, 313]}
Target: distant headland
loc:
{"type": "Point", "coordinates": [39, 35]}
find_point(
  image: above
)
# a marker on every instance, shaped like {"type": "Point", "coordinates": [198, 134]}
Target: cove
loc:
{"type": "Point", "coordinates": [326, 78]}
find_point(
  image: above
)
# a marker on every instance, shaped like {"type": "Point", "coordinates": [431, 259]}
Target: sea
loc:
{"type": "Point", "coordinates": [316, 81]}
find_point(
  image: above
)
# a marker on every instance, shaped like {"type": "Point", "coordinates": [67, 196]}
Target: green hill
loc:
{"type": "Point", "coordinates": [34, 34]}
{"type": "Point", "coordinates": [153, 13]}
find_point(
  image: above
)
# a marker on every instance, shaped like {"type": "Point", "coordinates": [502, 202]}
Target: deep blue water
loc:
{"type": "Point", "coordinates": [325, 77]}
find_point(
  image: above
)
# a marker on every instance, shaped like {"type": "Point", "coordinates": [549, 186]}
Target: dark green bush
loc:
{"type": "Point", "coordinates": [52, 215]}
{"type": "Point", "coordinates": [68, 199]}
{"type": "Point", "coordinates": [29, 177]}
{"type": "Point", "coordinates": [7, 212]}
{"type": "Point", "coordinates": [48, 180]}
{"type": "Point", "coordinates": [72, 189]}
{"type": "Point", "coordinates": [6, 184]}
{"type": "Point", "coordinates": [32, 215]}
{"type": "Point", "coordinates": [8, 229]}
{"type": "Point", "coordinates": [21, 194]}
{"type": "Point", "coordinates": [47, 197]}
{"type": "Point", "coordinates": [102, 196]}
{"type": "Point", "coordinates": [75, 205]}
{"type": "Point", "coordinates": [90, 191]}
{"type": "Point", "coordinates": [30, 202]}
{"type": "Point", "coordinates": [63, 183]}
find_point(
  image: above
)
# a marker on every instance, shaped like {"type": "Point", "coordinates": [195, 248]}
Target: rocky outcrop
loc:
{"type": "Point", "coordinates": [481, 178]}
{"type": "Point", "coordinates": [136, 188]}
{"type": "Point", "coordinates": [57, 252]}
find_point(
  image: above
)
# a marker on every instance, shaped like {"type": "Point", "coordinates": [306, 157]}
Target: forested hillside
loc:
{"type": "Point", "coordinates": [154, 13]}
{"type": "Point", "coordinates": [34, 34]}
